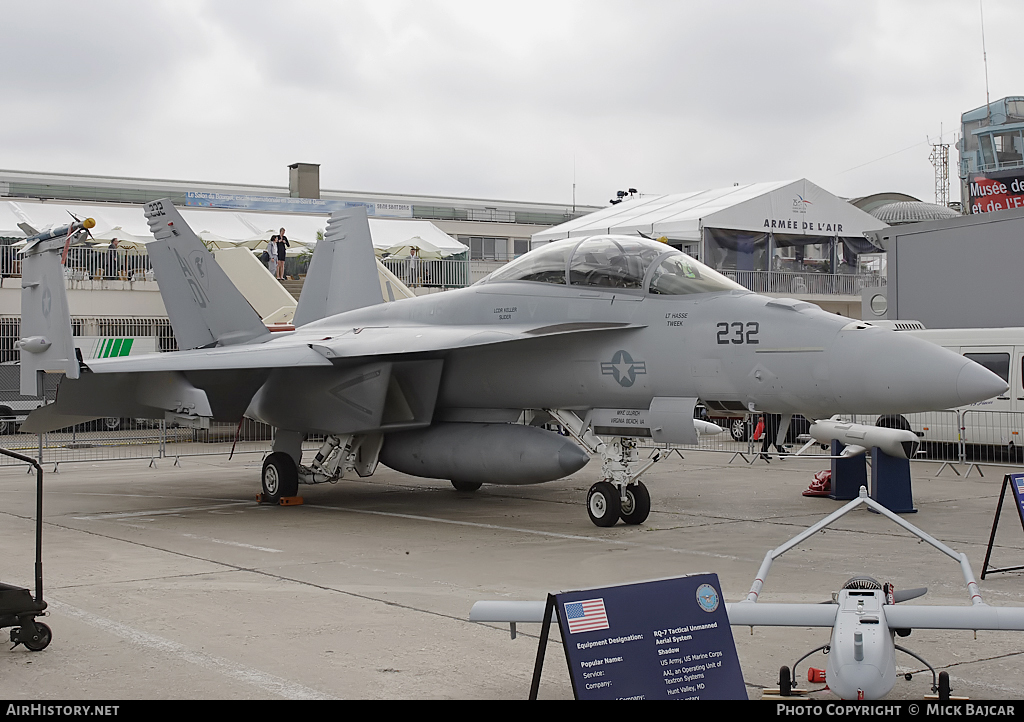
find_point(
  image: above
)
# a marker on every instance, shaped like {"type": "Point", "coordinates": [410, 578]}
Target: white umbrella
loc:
{"type": "Point", "coordinates": [424, 249]}
{"type": "Point", "coordinates": [214, 241]}
{"type": "Point", "coordinates": [125, 240]}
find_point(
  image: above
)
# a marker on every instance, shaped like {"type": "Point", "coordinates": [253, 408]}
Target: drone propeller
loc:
{"type": "Point", "coordinates": [904, 595]}
{"type": "Point", "coordinates": [897, 596]}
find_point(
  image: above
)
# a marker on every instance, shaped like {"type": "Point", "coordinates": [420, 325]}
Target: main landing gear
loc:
{"type": "Point", "coordinates": [620, 494]}
{"type": "Point", "coordinates": [339, 457]}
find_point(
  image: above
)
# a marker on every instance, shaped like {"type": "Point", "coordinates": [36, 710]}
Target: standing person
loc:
{"type": "Point", "coordinates": [270, 255]}
{"type": "Point", "coordinates": [113, 264]}
{"type": "Point", "coordinates": [414, 266]}
{"type": "Point", "coordinates": [282, 244]}
{"type": "Point", "coordinates": [772, 422]}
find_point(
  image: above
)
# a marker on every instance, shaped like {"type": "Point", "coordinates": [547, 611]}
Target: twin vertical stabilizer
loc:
{"type": "Point", "coordinates": [204, 307]}
{"type": "Point", "coordinates": [343, 271]}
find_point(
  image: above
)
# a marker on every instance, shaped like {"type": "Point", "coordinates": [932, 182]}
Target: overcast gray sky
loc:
{"type": "Point", "coordinates": [500, 99]}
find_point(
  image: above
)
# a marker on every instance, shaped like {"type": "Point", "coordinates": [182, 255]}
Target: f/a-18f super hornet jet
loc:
{"type": "Point", "coordinates": [614, 338]}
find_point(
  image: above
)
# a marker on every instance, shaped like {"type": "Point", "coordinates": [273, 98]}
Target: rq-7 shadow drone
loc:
{"type": "Point", "coordinates": [866, 617]}
{"type": "Point", "coordinates": [613, 337]}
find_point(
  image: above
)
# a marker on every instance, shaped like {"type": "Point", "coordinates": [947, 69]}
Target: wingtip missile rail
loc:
{"type": "Point", "coordinates": [61, 232]}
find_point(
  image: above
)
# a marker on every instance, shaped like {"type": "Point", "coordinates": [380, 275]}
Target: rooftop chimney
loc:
{"type": "Point", "coordinates": [304, 180]}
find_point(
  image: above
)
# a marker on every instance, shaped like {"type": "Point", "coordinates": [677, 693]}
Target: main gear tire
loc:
{"type": "Point", "coordinates": [603, 504]}
{"type": "Point", "coordinates": [637, 504]}
{"type": "Point", "coordinates": [280, 477]}
{"type": "Point", "coordinates": [466, 485]}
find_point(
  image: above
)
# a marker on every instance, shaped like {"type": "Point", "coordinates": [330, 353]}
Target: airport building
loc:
{"type": "Point", "coordinates": [494, 231]}
{"type": "Point", "coordinates": [991, 150]}
{"type": "Point", "coordinates": [790, 238]}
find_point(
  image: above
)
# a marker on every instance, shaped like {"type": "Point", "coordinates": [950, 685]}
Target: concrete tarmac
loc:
{"type": "Point", "coordinates": [173, 583]}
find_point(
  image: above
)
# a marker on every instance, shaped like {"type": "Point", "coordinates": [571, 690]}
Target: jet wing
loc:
{"type": "Point", "coordinates": [315, 350]}
{"type": "Point", "coordinates": [758, 614]}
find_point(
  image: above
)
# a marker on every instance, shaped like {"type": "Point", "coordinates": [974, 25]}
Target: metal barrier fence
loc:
{"type": "Point", "coordinates": [142, 439]}
{"type": "Point", "coordinates": [439, 273]}
{"type": "Point", "coordinates": [950, 437]}
{"type": "Point", "coordinates": [87, 263]}
{"type": "Point", "coordinates": [970, 437]}
{"type": "Point", "coordinates": [829, 284]}
{"type": "Point", "coordinates": [993, 437]}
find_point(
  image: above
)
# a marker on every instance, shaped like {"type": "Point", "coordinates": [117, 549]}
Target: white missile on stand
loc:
{"type": "Point", "coordinates": [858, 438]}
{"type": "Point", "coordinates": [706, 428]}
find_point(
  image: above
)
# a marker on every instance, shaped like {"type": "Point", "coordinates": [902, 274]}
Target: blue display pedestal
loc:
{"type": "Point", "coordinates": [890, 482]}
{"type": "Point", "coordinates": [848, 475]}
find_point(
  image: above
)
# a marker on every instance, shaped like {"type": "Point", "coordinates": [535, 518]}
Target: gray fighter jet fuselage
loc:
{"type": "Point", "coordinates": [751, 351]}
{"type": "Point", "coordinates": [612, 337]}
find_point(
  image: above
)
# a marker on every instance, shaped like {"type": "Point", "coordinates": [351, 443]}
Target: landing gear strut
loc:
{"type": "Point", "coordinates": [339, 457]}
{"type": "Point", "coordinates": [620, 494]}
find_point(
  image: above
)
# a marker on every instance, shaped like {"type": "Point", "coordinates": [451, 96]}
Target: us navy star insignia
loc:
{"type": "Point", "coordinates": [623, 368]}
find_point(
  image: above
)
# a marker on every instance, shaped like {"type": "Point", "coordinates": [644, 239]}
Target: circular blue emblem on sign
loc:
{"type": "Point", "coordinates": [707, 597]}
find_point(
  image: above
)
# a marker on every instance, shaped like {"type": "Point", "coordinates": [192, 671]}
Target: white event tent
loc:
{"type": "Point", "coordinates": [793, 207]}
{"type": "Point", "coordinates": [396, 238]}
{"type": "Point", "coordinates": [784, 225]}
{"type": "Point", "coordinates": [219, 228]}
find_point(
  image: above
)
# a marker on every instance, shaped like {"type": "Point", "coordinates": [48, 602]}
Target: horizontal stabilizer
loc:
{"type": "Point", "coordinates": [91, 396]}
{"type": "Point", "coordinates": [343, 271]}
{"type": "Point", "coordinates": [203, 305]}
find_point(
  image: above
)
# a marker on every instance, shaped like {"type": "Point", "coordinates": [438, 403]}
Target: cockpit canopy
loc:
{"type": "Point", "coordinates": [616, 262]}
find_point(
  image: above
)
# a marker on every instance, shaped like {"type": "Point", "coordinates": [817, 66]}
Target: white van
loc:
{"type": "Point", "coordinates": [996, 423]}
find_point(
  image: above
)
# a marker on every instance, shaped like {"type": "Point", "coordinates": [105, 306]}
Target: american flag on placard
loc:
{"type": "Point", "coordinates": [586, 616]}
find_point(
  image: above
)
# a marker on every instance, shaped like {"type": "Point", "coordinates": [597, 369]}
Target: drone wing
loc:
{"type": "Point", "coordinates": [979, 616]}
{"type": "Point", "coordinates": [755, 614]}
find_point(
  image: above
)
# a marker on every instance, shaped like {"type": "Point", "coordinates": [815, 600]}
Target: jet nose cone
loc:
{"type": "Point", "coordinates": [887, 372]}
{"type": "Point", "coordinates": [977, 383]}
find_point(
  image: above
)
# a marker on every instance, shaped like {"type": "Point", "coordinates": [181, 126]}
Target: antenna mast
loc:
{"type": "Point", "coordinates": [940, 161]}
{"type": "Point", "coordinates": [984, 59]}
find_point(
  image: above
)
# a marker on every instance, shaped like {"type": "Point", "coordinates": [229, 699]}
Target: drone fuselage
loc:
{"type": "Point", "coordinates": [862, 656]}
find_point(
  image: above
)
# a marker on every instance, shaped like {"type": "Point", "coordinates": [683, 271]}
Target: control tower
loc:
{"type": "Point", "coordinates": [991, 150]}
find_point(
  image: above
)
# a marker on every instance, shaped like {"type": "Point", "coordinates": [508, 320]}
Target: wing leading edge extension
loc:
{"type": "Point", "coordinates": [348, 344]}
